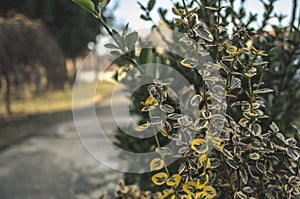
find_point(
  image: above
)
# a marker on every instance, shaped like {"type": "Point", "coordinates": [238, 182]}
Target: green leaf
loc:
{"type": "Point", "coordinates": [151, 4]}
{"type": "Point", "coordinates": [146, 56]}
{"type": "Point", "coordinates": [263, 91]}
{"type": "Point", "coordinates": [248, 189]}
{"type": "Point", "coordinates": [292, 153]}
{"type": "Point", "coordinates": [144, 17]}
{"type": "Point", "coordinates": [131, 39]}
{"type": "Point", "coordinates": [270, 175]}
{"type": "Point", "coordinates": [116, 53]}
{"type": "Point", "coordinates": [260, 167]}
{"type": "Point", "coordinates": [176, 12]}
{"type": "Point", "coordinates": [205, 34]}
{"type": "Point", "coordinates": [227, 153]}
{"type": "Point", "coordinates": [155, 120]}
{"type": "Point", "coordinates": [111, 46]}
{"type": "Point", "coordinates": [174, 116]}
{"type": "Point", "coordinates": [243, 175]}
{"type": "Point", "coordinates": [142, 127]}
{"type": "Point", "coordinates": [141, 5]}
{"type": "Point", "coordinates": [241, 195]}
{"type": "Point", "coordinates": [255, 129]}
{"type": "Point", "coordinates": [281, 138]}
{"type": "Point", "coordinates": [200, 124]}
{"type": "Point", "coordinates": [102, 4]}
{"type": "Point", "coordinates": [196, 99]}
{"type": "Point", "coordinates": [274, 127]}
{"type": "Point", "coordinates": [88, 5]}
{"type": "Point", "coordinates": [119, 38]}
{"type": "Point", "coordinates": [232, 163]}
{"type": "Point", "coordinates": [167, 108]}
{"type": "Point", "coordinates": [254, 156]}
{"type": "Point", "coordinates": [164, 151]}
{"type": "Point", "coordinates": [125, 30]}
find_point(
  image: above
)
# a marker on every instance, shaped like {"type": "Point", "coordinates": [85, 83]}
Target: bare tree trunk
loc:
{"type": "Point", "coordinates": [17, 82]}
{"type": "Point", "coordinates": [7, 94]}
{"type": "Point", "coordinates": [37, 79]}
{"type": "Point", "coordinates": [74, 70]}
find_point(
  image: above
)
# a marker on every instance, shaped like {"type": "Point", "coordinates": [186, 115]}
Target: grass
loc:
{"type": "Point", "coordinates": [30, 116]}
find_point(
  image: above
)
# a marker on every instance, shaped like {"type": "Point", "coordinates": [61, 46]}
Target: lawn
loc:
{"type": "Point", "coordinates": [30, 116]}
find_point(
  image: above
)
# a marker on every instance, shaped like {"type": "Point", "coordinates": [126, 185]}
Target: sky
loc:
{"type": "Point", "coordinates": [129, 11]}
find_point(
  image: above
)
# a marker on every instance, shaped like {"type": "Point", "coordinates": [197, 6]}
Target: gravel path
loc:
{"type": "Point", "coordinates": [55, 165]}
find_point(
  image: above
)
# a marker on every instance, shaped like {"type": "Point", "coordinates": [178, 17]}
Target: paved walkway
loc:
{"type": "Point", "coordinates": [54, 165]}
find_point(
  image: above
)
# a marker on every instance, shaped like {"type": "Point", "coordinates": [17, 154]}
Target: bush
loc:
{"type": "Point", "coordinates": [216, 140]}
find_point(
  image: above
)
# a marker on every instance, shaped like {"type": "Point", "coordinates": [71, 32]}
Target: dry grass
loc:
{"type": "Point", "coordinates": [30, 116]}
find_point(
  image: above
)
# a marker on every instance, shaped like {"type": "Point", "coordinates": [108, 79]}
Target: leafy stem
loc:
{"type": "Point", "coordinates": [218, 30]}
{"type": "Point", "coordinates": [109, 31]}
{"type": "Point", "coordinates": [250, 90]}
{"type": "Point", "coordinates": [187, 17]}
{"type": "Point", "coordinates": [159, 148]}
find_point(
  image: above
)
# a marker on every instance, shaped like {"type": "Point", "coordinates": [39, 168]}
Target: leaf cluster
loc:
{"type": "Point", "coordinates": [239, 153]}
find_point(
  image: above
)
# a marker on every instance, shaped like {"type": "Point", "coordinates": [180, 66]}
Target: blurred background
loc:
{"type": "Point", "coordinates": [42, 46]}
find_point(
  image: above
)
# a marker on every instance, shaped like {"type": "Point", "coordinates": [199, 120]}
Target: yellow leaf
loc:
{"type": "Point", "coordinates": [186, 197]}
{"type": "Point", "coordinates": [141, 127]}
{"type": "Point", "coordinates": [205, 161]}
{"type": "Point", "coordinates": [231, 49]}
{"type": "Point", "coordinates": [150, 104]}
{"type": "Point", "coordinates": [168, 195]}
{"type": "Point", "coordinates": [159, 178]}
{"type": "Point", "coordinates": [174, 180]}
{"type": "Point", "coordinates": [211, 192]}
{"type": "Point", "coordinates": [185, 63]}
{"type": "Point", "coordinates": [163, 131]}
{"type": "Point", "coordinates": [262, 53]}
{"type": "Point", "coordinates": [156, 164]}
{"type": "Point", "coordinates": [151, 101]}
{"type": "Point", "coordinates": [145, 109]}
{"type": "Point", "coordinates": [243, 122]}
{"type": "Point", "coordinates": [199, 145]}
{"type": "Point", "coordinates": [190, 188]}
{"type": "Point", "coordinates": [201, 195]}
{"type": "Point", "coordinates": [202, 181]}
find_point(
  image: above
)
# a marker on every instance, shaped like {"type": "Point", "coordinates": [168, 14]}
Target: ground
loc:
{"type": "Point", "coordinates": [54, 164]}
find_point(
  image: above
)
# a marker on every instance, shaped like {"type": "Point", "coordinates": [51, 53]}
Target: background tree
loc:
{"type": "Point", "coordinates": [53, 30]}
{"type": "Point", "coordinates": [71, 27]}
{"type": "Point", "coordinates": [27, 53]}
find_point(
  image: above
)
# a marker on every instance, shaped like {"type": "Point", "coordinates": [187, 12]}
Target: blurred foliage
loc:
{"type": "Point", "coordinates": [50, 29]}
{"type": "Point", "coordinates": [21, 67]}
{"type": "Point", "coordinates": [72, 28]}
{"type": "Point", "coordinates": [283, 75]}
